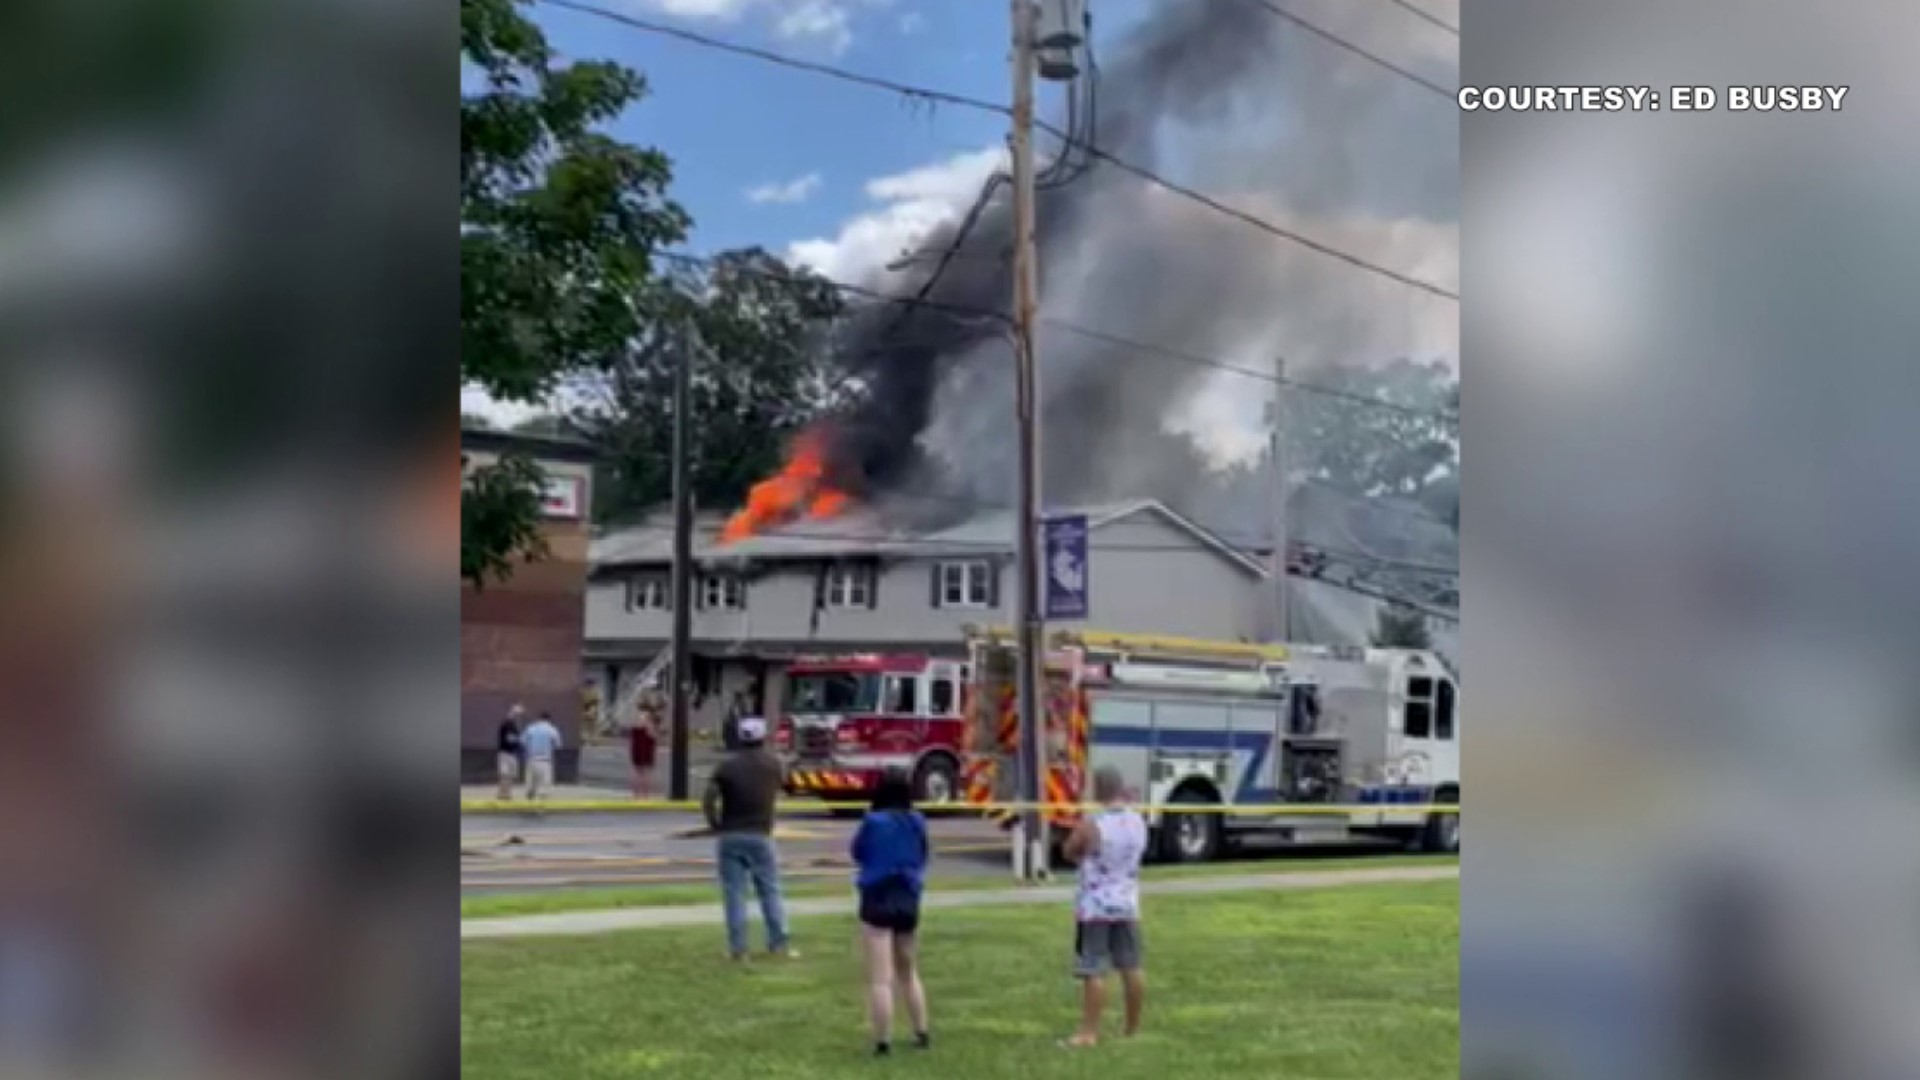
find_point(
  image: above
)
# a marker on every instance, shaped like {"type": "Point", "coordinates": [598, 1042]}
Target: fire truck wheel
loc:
{"type": "Point", "coordinates": [1190, 838]}
{"type": "Point", "coordinates": [936, 783]}
{"type": "Point", "coordinates": [1442, 834]}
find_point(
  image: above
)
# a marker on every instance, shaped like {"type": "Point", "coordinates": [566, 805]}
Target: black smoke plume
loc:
{"type": "Point", "coordinates": [1220, 96]}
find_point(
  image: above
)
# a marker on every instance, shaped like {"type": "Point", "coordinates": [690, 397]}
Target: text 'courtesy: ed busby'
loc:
{"type": "Point", "coordinates": [1647, 99]}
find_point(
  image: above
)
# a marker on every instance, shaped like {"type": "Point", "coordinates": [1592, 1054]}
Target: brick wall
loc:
{"type": "Point", "coordinates": [521, 643]}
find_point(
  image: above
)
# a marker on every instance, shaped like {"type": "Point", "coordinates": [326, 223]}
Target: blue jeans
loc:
{"type": "Point", "coordinates": [742, 856]}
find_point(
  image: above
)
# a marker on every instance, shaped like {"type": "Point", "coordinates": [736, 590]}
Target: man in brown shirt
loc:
{"type": "Point", "coordinates": [739, 803]}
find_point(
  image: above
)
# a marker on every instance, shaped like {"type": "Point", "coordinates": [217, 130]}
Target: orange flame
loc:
{"type": "Point", "coordinates": [799, 489]}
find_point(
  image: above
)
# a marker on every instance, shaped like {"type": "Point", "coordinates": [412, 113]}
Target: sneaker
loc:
{"type": "Point", "coordinates": [784, 954]}
{"type": "Point", "coordinates": [882, 1049]}
{"type": "Point", "coordinates": [923, 1041]}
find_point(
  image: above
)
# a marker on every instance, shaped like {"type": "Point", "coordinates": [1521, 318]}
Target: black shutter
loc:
{"type": "Point", "coordinates": [873, 584]}
{"type": "Point", "coordinates": [742, 579]}
{"type": "Point", "coordinates": [935, 598]}
{"type": "Point", "coordinates": [699, 592]}
{"type": "Point", "coordinates": [994, 567]}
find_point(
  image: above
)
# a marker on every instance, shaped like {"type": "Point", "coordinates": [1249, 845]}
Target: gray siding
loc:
{"type": "Point", "coordinates": [1147, 576]}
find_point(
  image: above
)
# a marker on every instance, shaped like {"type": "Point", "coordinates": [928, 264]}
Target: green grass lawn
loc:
{"type": "Point", "coordinates": [606, 898]}
{"type": "Point", "coordinates": [1356, 983]}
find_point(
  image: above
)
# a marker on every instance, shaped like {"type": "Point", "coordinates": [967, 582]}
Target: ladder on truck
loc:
{"type": "Point", "coordinates": [628, 701]}
{"type": "Point", "coordinates": [993, 734]}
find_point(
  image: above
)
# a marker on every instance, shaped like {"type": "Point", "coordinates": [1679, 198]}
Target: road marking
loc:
{"type": "Point", "coordinates": [611, 862]}
{"type": "Point", "coordinates": [576, 923]}
{"type": "Point", "coordinates": [629, 879]}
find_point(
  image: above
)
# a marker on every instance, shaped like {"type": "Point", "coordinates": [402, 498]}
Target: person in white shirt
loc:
{"type": "Point", "coordinates": [1108, 845]}
{"type": "Point", "coordinates": [539, 741]}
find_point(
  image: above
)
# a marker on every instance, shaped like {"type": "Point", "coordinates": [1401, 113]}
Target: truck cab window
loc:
{"type": "Point", "coordinates": [1443, 712]}
{"type": "Point", "coordinates": [1419, 716]}
{"type": "Point", "coordinates": [902, 695]}
{"type": "Point", "coordinates": [942, 703]}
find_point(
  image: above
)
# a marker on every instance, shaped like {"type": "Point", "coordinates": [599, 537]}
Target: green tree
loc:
{"type": "Point", "coordinates": [757, 330]}
{"type": "Point", "coordinates": [558, 226]}
{"type": "Point", "coordinates": [1406, 449]}
{"type": "Point", "coordinates": [1400, 627]}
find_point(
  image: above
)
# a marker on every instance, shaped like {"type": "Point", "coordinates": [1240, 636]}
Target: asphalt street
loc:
{"type": "Point", "coordinates": [520, 852]}
{"type": "Point", "coordinates": [527, 852]}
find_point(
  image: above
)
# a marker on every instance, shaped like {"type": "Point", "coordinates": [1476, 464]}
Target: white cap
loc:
{"type": "Point", "coordinates": [752, 729]}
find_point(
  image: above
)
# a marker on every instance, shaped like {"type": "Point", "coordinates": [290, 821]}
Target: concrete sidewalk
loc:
{"type": "Point", "coordinates": [575, 923]}
{"type": "Point", "coordinates": [557, 793]}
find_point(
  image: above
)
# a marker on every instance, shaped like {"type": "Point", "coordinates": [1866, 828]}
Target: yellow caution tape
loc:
{"type": "Point", "coordinates": [642, 806]}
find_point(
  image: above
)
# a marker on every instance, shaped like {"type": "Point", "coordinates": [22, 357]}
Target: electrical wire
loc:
{"type": "Point", "coordinates": [1422, 13]}
{"type": "Point", "coordinates": [963, 101]}
{"type": "Point", "coordinates": [984, 315]}
{"type": "Point", "coordinates": [1339, 42]}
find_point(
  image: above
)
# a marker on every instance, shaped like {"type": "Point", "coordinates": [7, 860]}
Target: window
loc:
{"type": "Point", "coordinates": [963, 584]}
{"type": "Point", "coordinates": [1419, 708]}
{"type": "Point", "coordinates": [834, 692]}
{"type": "Point", "coordinates": [1304, 711]}
{"type": "Point", "coordinates": [1443, 713]}
{"type": "Point", "coordinates": [719, 591]}
{"type": "Point", "coordinates": [649, 593]}
{"type": "Point", "coordinates": [902, 696]}
{"type": "Point", "coordinates": [942, 703]}
{"type": "Point", "coordinates": [850, 586]}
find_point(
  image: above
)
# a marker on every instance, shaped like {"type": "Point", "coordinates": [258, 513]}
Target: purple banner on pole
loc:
{"type": "Point", "coordinates": [1065, 550]}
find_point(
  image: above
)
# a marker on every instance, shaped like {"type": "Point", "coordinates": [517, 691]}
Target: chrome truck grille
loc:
{"type": "Point", "coordinates": [815, 742]}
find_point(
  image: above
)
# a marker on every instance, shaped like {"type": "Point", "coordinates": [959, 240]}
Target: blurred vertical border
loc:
{"type": "Point", "coordinates": [1694, 360]}
{"type": "Point", "coordinates": [228, 598]}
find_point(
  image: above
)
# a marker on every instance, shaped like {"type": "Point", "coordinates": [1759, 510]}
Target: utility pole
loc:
{"type": "Point", "coordinates": [1031, 840]}
{"type": "Point", "coordinates": [681, 661]}
{"type": "Point", "coordinates": [1277, 453]}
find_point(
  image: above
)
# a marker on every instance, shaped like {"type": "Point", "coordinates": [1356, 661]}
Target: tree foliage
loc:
{"type": "Point", "coordinates": [558, 226]}
{"type": "Point", "coordinates": [1408, 451]}
{"type": "Point", "coordinates": [756, 329]}
{"type": "Point", "coordinates": [500, 501]}
{"type": "Point", "coordinates": [1400, 627]}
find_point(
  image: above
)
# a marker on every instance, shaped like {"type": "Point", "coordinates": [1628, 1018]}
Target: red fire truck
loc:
{"type": "Point", "coordinates": [850, 718]}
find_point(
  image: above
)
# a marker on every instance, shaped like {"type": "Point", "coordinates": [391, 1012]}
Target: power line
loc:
{"type": "Point", "coordinates": [961, 310]}
{"type": "Point", "coordinates": [944, 97]}
{"type": "Point", "coordinates": [1236, 369]}
{"type": "Point", "coordinates": [767, 55]}
{"type": "Point", "coordinates": [1422, 13]}
{"type": "Point", "coordinates": [1339, 42]}
{"type": "Point", "coordinates": [979, 314]}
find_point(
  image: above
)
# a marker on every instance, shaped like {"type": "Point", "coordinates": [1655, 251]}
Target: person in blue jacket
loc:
{"type": "Point", "coordinates": [891, 852]}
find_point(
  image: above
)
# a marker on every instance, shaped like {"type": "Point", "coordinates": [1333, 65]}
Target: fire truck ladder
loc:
{"type": "Point", "coordinates": [629, 699]}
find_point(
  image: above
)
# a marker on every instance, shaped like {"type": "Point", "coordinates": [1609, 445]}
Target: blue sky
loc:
{"type": "Point", "coordinates": [846, 178]}
{"type": "Point", "coordinates": [733, 124]}
{"type": "Point", "coordinates": [736, 126]}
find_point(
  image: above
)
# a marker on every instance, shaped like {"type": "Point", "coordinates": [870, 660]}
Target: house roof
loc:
{"type": "Point", "coordinates": [554, 448]}
{"type": "Point", "coordinates": [861, 532]}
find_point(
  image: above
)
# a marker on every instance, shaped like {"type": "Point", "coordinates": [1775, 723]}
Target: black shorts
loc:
{"type": "Point", "coordinates": [891, 905]}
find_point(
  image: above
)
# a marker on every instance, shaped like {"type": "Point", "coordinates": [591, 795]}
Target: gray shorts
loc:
{"type": "Point", "coordinates": [1100, 947]}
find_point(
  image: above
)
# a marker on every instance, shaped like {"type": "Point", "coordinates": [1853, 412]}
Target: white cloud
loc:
{"type": "Point", "coordinates": [502, 414]}
{"type": "Point", "coordinates": [826, 22]}
{"type": "Point", "coordinates": [912, 23]}
{"type": "Point", "coordinates": [702, 9]}
{"type": "Point", "coordinates": [797, 190]}
{"type": "Point", "coordinates": [830, 22]}
{"type": "Point", "coordinates": [911, 204]}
